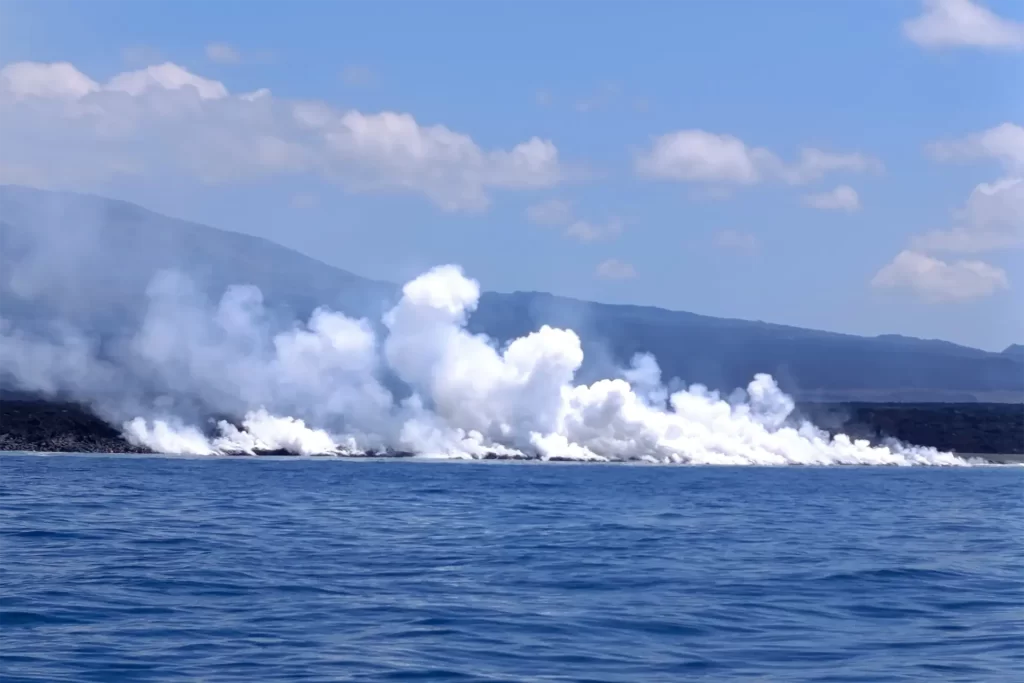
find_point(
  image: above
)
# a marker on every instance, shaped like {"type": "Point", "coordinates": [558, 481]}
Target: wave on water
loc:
{"type": "Point", "coordinates": [320, 388]}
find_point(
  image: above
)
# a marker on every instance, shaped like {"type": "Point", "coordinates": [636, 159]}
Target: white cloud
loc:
{"type": "Point", "coordinates": [736, 240]}
{"type": "Point", "coordinates": [35, 79]}
{"type": "Point", "coordinates": [392, 151]}
{"type": "Point", "coordinates": [1005, 143]}
{"type": "Point", "coordinates": [992, 219]}
{"type": "Point", "coordinates": [166, 76]}
{"type": "Point", "coordinates": [222, 53]}
{"type": "Point", "coordinates": [696, 155]}
{"type": "Point", "coordinates": [355, 74]}
{"type": "Point", "coordinates": [613, 269]}
{"type": "Point", "coordinates": [700, 156]}
{"type": "Point", "coordinates": [963, 23]}
{"type": "Point", "coordinates": [842, 198]}
{"type": "Point", "coordinates": [559, 213]}
{"type": "Point", "coordinates": [939, 281]}
{"type": "Point", "coordinates": [64, 126]}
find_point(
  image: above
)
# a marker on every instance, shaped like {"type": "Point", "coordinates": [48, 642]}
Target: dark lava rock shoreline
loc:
{"type": "Point", "coordinates": [57, 427]}
{"type": "Point", "coordinates": [968, 428]}
{"type": "Point", "coordinates": [28, 424]}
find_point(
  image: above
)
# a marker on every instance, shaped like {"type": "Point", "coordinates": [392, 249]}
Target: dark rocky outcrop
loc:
{"type": "Point", "coordinates": [982, 428]}
{"type": "Point", "coordinates": [58, 427]}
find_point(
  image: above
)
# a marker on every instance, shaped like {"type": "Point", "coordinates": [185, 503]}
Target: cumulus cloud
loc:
{"type": "Point", "coordinates": [842, 198]}
{"type": "Point", "coordinates": [166, 76]}
{"type": "Point", "coordinates": [703, 157]}
{"type": "Point", "coordinates": [992, 219]}
{"type": "Point", "coordinates": [993, 216]}
{"type": "Point", "coordinates": [53, 80]}
{"type": "Point", "coordinates": [939, 281]}
{"type": "Point", "coordinates": [963, 23]}
{"type": "Point", "coordinates": [1004, 143]}
{"type": "Point", "coordinates": [559, 213]}
{"type": "Point", "coordinates": [696, 155]}
{"type": "Point", "coordinates": [613, 269]}
{"type": "Point", "coordinates": [69, 129]}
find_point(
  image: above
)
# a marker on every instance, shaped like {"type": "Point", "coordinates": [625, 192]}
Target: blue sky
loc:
{"type": "Point", "coordinates": [843, 165]}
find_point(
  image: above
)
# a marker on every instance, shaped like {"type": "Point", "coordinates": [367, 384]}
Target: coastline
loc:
{"type": "Point", "coordinates": [994, 432]}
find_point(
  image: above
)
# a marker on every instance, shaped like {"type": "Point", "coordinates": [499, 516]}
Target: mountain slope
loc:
{"type": "Point", "coordinates": [811, 364]}
{"type": "Point", "coordinates": [89, 260]}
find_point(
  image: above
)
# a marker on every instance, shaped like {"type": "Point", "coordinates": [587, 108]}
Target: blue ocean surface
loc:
{"type": "Point", "coordinates": [221, 569]}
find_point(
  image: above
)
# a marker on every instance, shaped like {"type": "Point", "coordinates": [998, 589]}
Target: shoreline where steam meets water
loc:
{"type": "Point", "coordinates": [29, 426]}
{"type": "Point", "coordinates": [973, 460]}
{"type": "Point", "coordinates": [327, 387]}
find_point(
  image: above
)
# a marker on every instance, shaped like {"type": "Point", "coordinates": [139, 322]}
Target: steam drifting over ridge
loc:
{"type": "Point", "coordinates": [328, 386]}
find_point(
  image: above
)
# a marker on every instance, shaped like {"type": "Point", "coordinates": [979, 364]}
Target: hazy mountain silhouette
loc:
{"type": "Point", "coordinates": [100, 256]}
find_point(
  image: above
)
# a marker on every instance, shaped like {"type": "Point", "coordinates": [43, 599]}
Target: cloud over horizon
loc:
{"type": "Point", "coordinates": [991, 220]}
{"type": "Point", "coordinates": [963, 23]}
{"type": "Point", "coordinates": [164, 117]}
{"type": "Point", "coordinates": [939, 281]}
{"type": "Point", "coordinates": [699, 156]}
{"type": "Point", "coordinates": [385, 142]}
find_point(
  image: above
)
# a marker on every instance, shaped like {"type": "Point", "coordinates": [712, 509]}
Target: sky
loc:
{"type": "Point", "coordinates": [847, 165]}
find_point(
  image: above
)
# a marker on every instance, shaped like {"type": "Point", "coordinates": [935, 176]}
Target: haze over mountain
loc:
{"type": "Point", "coordinates": [101, 255]}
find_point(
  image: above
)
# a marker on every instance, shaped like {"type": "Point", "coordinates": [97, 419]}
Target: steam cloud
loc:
{"type": "Point", "coordinates": [327, 386]}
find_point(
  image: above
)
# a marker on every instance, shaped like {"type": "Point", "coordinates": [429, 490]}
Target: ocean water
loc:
{"type": "Point", "coordinates": [221, 569]}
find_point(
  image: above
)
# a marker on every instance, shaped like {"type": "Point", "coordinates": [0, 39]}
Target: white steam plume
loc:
{"type": "Point", "coordinates": [319, 388]}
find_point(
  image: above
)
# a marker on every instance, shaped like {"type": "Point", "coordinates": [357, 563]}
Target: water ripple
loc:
{"type": "Point", "coordinates": [150, 569]}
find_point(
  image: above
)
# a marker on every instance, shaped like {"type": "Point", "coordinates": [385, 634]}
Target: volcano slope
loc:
{"type": "Point", "coordinates": [99, 288]}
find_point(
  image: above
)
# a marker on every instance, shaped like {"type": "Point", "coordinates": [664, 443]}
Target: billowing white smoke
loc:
{"type": "Point", "coordinates": [500, 398]}
{"type": "Point", "coordinates": [317, 388]}
{"type": "Point", "coordinates": [226, 358]}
